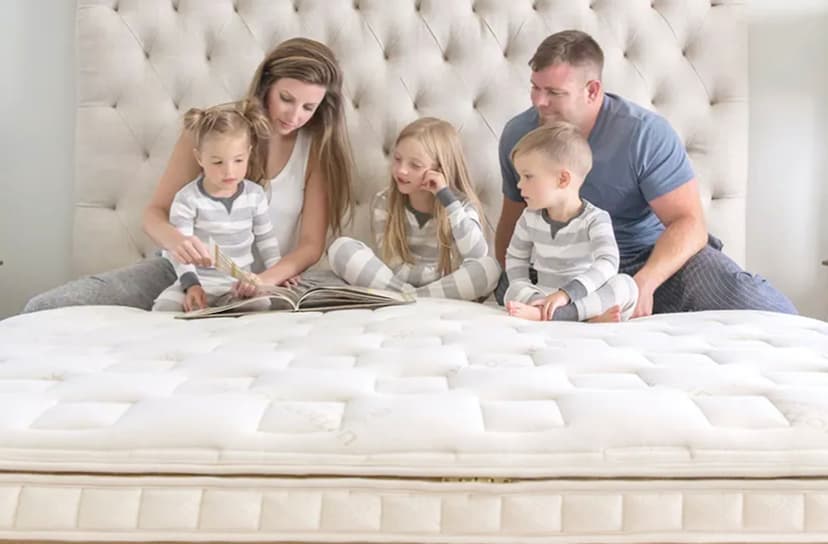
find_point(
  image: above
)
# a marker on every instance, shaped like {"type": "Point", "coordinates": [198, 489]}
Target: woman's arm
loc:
{"type": "Point", "coordinates": [311, 244]}
{"type": "Point", "coordinates": [181, 168]}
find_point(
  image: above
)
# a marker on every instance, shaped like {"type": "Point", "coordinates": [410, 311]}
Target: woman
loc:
{"type": "Point", "coordinates": [305, 167]}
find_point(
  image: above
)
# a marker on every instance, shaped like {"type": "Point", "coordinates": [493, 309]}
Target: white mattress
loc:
{"type": "Point", "coordinates": [441, 421]}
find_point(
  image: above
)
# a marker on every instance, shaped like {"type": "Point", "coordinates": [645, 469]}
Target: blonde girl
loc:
{"type": "Point", "coordinates": [427, 223]}
{"type": "Point", "coordinates": [221, 205]}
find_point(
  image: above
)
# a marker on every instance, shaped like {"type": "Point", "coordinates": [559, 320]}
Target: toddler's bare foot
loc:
{"type": "Point", "coordinates": [613, 315]}
{"type": "Point", "coordinates": [524, 311]}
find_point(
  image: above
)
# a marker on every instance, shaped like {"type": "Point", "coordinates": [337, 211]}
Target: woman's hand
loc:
{"type": "Point", "coordinates": [433, 181]}
{"type": "Point", "coordinates": [273, 276]}
{"type": "Point", "coordinates": [191, 250]}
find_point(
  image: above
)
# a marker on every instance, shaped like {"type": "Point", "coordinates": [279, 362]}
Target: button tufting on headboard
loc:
{"type": "Point", "coordinates": [142, 63]}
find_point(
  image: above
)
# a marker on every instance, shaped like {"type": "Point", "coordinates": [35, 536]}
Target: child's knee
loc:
{"type": "Point", "coordinates": [625, 290]}
{"type": "Point", "coordinates": [485, 273]}
{"type": "Point", "coordinates": [629, 285]}
{"type": "Point", "coordinates": [345, 243]}
{"type": "Point", "coordinates": [492, 269]}
{"type": "Point", "coordinates": [342, 249]}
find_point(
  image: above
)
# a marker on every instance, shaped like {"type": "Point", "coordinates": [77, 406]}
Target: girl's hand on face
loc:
{"type": "Point", "coordinates": [433, 181]}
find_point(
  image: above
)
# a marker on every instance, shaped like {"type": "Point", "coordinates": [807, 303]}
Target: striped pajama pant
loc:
{"type": "Point", "coordinates": [355, 262]}
{"type": "Point", "coordinates": [620, 290]}
{"type": "Point", "coordinates": [711, 280]}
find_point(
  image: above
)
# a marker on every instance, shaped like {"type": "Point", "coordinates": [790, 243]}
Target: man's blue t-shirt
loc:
{"type": "Point", "coordinates": [636, 157]}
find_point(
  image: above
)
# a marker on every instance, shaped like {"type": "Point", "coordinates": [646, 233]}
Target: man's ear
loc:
{"type": "Point", "coordinates": [564, 178]}
{"type": "Point", "coordinates": [593, 88]}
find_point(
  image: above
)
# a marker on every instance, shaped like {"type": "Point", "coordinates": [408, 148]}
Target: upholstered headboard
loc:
{"type": "Point", "coordinates": [142, 63]}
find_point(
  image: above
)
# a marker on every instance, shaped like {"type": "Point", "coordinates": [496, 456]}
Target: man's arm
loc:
{"type": "Point", "coordinates": [685, 235]}
{"type": "Point", "coordinates": [509, 215]}
{"type": "Point", "coordinates": [513, 203]}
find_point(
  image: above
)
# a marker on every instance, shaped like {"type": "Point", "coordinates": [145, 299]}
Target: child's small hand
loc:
{"type": "Point", "coordinates": [292, 282]}
{"type": "Point", "coordinates": [433, 181]}
{"type": "Point", "coordinates": [195, 299]}
{"type": "Point", "coordinates": [191, 250]}
{"type": "Point", "coordinates": [551, 303]}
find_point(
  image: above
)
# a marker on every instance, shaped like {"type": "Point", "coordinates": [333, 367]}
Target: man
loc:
{"type": "Point", "coordinates": [642, 176]}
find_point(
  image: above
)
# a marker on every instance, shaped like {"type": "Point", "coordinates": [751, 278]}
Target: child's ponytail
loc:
{"type": "Point", "coordinates": [244, 116]}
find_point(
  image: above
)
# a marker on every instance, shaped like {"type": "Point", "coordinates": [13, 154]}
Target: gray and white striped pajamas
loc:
{"type": "Point", "coordinates": [235, 223]}
{"type": "Point", "coordinates": [475, 278]}
{"type": "Point", "coordinates": [579, 258]}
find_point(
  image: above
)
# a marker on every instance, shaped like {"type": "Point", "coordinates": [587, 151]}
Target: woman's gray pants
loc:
{"type": "Point", "coordinates": [137, 285]}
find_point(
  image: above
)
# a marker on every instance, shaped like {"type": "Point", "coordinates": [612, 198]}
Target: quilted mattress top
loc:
{"type": "Point", "coordinates": [437, 389]}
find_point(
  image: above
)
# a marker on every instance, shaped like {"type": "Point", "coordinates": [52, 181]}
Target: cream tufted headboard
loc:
{"type": "Point", "coordinates": [142, 63]}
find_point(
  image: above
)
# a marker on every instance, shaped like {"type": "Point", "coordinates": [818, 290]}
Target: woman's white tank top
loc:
{"type": "Point", "coordinates": [286, 194]}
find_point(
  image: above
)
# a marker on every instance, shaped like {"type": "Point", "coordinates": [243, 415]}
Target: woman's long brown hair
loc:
{"type": "Point", "coordinates": [312, 62]}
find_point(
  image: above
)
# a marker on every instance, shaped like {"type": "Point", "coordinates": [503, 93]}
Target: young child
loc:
{"type": "Point", "coordinates": [426, 223]}
{"type": "Point", "coordinates": [221, 204]}
{"type": "Point", "coordinates": [569, 241]}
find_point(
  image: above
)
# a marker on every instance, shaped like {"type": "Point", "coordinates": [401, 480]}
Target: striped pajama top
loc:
{"type": "Point", "coordinates": [235, 223]}
{"type": "Point", "coordinates": [577, 257]}
{"type": "Point", "coordinates": [469, 240]}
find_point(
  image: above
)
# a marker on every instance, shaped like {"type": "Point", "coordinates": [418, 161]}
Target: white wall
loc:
{"type": "Point", "coordinates": [787, 199]}
{"type": "Point", "coordinates": [787, 236]}
{"type": "Point", "coordinates": [36, 135]}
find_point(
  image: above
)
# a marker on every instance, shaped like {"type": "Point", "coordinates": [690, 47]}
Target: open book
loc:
{"type": "Point", "coordinates": [310, 295]}
{"type": "Point", "coordinates": [305, 297]}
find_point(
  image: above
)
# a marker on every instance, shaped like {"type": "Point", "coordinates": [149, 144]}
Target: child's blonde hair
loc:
{"type": "Point", "coordinates": [245, 116]}
{"type": "Point", "coordinates": [442, 143]}
{"type": "Point", "coordinates": [560, 141]}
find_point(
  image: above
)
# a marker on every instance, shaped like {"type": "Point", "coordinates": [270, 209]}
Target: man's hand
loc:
{"type": "Point", "coordinates": [644, 306]}
{"type": "Point", "coordinates": [195, 299]}
{"type": "Point", "coordinates": [551, 303]}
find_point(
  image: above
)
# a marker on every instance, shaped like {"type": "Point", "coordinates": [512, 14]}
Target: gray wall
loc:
{"type": "Point", "coordinates": [787, 227]}
{"type": "Point", "coordinates": [36, 139]}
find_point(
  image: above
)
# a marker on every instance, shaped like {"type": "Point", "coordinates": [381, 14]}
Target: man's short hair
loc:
{"type": "Point", "coordinates": [560, 141]}
{"type": "Point", "coordinates": [569, 46]}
